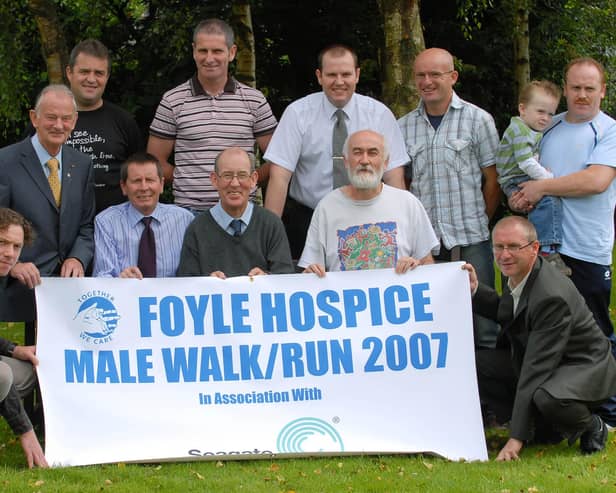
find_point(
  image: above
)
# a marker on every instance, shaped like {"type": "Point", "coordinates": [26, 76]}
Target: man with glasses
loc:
{"type": "Point", "coordinates": [235, 237]}
{"type": "Point", "coordinates": [553, 364]}
{"type": "Point", "coordinates": [452, 145]}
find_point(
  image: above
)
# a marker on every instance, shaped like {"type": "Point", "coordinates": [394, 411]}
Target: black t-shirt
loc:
{"type": "Point", "coordinates": [108, 135]}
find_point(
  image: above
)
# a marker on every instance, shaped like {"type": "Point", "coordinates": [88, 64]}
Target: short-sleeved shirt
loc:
{"type": "Point", "coordinates": [302, 143]}
{"type": "Point", "coordinates": [108, 135]}
{"type": "Point", "coordinates": [347, 234]}
{"type": "Point", "coordinates": [446, 166]}
{"type": "Point", "coordinates": [588, 222]}
{"type": "Point", "coordinates": [203, 126]}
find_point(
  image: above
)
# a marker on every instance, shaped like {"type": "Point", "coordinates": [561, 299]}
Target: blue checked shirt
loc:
{"type": "Point", "coordinates": [117, 231]}
{"type": "Point", "coordinates": [446, 168]}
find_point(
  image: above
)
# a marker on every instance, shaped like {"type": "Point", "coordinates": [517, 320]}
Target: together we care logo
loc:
{"type": "Point", "coordinates": [96, 317]}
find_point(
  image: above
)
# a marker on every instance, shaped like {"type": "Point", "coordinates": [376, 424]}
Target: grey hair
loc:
{"type": "Point", "coordinates": [345, 146]}
{"type": "Point", "coordinates": [58, 89]}
{"type": "Point", "coordinates": [251, 158]}
{"type": "Point", "coordinates": [215, 26]}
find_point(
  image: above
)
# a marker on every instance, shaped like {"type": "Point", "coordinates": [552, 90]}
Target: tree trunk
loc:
{"type": "Point", "coordinates": [52, 39]}
{"type": "Point", "coordinates": [403, 41]}
{"type": "Point", "coordinates": [241, 20]}
{"type": "Point", "coordinates": [521, 55]}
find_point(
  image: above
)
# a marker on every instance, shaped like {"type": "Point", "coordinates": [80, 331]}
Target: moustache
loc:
{"type": "Point", "coordinates": [582, 101]}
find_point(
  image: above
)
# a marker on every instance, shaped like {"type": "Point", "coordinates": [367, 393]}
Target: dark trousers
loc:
{"type": "Point", "coordinates": [296, 219]}
{"type": "Point", "coordinates": [497, 388]}
{"type": "Point", "coordinates": [594, 282]}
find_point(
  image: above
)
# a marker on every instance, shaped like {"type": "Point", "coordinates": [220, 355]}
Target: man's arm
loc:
{"type": "Point", "coordinates": [395, 177]}
{"type": "Point", "coordinates": [162, 149]}
{"type": "Point", "coordinates": [491, 189]}
{"type": "Point", "coordinates": [82, 250]}
{"type": "Point", "coordinates": [594, 179]}
{"type": "Point", "coordinates": [277, 189]}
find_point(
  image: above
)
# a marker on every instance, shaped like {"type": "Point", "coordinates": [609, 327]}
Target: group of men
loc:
{"type": "Point", "coordinates": [338, 172]}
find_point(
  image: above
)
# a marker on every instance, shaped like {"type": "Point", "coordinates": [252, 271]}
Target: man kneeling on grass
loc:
{"type": "Point", "coordinates": [16, 372]}
{"type": "Point", "coordinates": [552, 365]}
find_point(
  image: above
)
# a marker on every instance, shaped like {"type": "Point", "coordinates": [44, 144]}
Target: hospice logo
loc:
{"type": "Point", "coordinates": [309, 435]}
{"type": "Point", "coordinates": [97, 317]}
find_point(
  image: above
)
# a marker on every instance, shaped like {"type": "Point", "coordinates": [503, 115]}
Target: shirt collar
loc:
{"type": "Point", "coordinates": [456, 103]}
{"type": "Point", "coordinates": [135, 217]}
{"type": "Point", "coordinates": [224, 219]}
{"type": "Point", "coordinates": [197, 88]}
{"type": "Point", "coordinates": [330, 109]}
{"type": "Point", "coordinates": [516, 292]}
{"type": "Point", "coordinates": [42, 153]}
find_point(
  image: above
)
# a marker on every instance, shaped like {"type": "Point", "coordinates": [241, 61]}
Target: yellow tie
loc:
{"type": "Point", "coordinates": [54, 179]}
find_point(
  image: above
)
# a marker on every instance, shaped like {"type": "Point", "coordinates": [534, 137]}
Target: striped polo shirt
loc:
{"type": "Point", "coordinates": [202, 126]}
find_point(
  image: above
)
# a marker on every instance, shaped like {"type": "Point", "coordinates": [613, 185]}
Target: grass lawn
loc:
{"type": "Point", "coordinates": [541, 469]}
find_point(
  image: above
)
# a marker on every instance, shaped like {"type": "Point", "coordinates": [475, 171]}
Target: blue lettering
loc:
{"type": "Point", "coordinates": [146, 316]}
{"type": "Point", "coordinates": [273, 313]}
{"type": "Point", "coordinates": [78, 366]}
{"type": "Point", "coordinates": [171, 326]}
{"type": "Point", "coordinates": [239, 313]}
{"type": "Point", "coordinates": [218, 316]}
{"type": "Point", "coordinates": [210, 366]}
{"type": "Point", "coordinates": [106, 369]}
{"type": "Point", "coordinates": [391, 302]}
{"type": "Point", "coordinates": [354, 302]}
{"type": "Point", "coordinates": [178, 366]}
{"type": "Point", "coordinates": [420, 301]}
{"type": "Point", "coordinates": [197, 312]}
{"type": "Point", "coordinates": [144, 365]}
{"type": "Point", "coordinates": [332, 318]}
{"type": "Point", "coordinates": [300, 303]}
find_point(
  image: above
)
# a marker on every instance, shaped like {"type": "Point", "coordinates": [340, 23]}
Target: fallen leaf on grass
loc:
{"type": "Point", "coordinates": [274, 467]}
{"type": "Point", "coordinates": [533, 489]}
{"type": "Point", "coordinates": [197, 475]}
{"type": "Point", "coordinates": [220, 464]}
{"type": "Point", "coordinates": [317, 471]}
{"type": "Point", "coordinates": [428, 466]}
{"type": "Point", "coordinates": [38, 482]}
{"type": "Point", "coordinates": [108, 481]}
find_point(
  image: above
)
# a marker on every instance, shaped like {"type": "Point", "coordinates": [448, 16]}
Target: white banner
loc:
{"type": "Point", "coordinates": [185, 368]}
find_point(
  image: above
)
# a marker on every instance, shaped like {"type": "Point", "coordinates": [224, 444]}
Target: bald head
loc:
{"type": "Point", "coordinates": [436, 55]}
{"type": "Point", "coordinates": [234, 154]}
{"type": "Point", "coordinates": [435, 77]}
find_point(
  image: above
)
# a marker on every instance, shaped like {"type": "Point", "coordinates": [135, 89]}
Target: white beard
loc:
{"type": "Point", "coordinates": [365, 181]}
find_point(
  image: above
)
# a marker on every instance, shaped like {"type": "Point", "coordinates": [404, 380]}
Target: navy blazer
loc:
{"type": "Point", "coordinates": [67, 231]}
{"type": "Point", "coordinates": [555, 344]}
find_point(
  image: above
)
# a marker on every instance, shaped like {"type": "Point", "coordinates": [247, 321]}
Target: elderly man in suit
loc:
{"type": "Point", "coordinates": [553, 365]}
{"type": "Point", "coordinates": [52, 186]}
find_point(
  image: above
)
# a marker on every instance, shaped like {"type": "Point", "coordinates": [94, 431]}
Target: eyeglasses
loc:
{"type": "Point", "coordinates": [227, 176]}
{"type": "Point", "coordinates": [432, 75]}
{"type": "Point", "coordinates": [510, 248]}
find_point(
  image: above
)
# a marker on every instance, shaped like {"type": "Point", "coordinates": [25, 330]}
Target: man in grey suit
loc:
{"type": "Point", "coordinates": [553, 365]}
{"type": "Point", "coordinates": [52, 186]}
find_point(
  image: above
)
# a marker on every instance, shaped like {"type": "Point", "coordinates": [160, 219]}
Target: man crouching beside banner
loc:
{"type": "Point", "coordinates": [552, 365]}
{"type": "Point", "coordinates": [16, 373]}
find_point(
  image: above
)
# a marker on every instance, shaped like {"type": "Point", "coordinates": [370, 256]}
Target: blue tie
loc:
{"type": "Point", "coordinates": [236, 225]}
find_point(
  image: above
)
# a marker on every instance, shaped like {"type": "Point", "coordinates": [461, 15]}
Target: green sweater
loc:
{"type": "Point", "coordinates": [208, 248]}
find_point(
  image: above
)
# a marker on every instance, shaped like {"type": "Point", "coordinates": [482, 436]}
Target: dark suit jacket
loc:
{"type": "Point", "coordinates": [61, 233]}
{"type": "Point", "coordinates": [555, 344]}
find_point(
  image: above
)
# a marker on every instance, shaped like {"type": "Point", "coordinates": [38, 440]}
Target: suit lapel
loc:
{"type": "Point", "coordinates": [523, 302]}
{"type": "Point", "coordinates": [30, 162]}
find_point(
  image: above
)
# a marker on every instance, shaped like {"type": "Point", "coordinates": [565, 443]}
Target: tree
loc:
{"type": "Point", "coordinates": [53, 43]}
{"type": "Point", "coordinates": [403, 40]}
{"type": "Point", "coordinates": [521, 41]}
{"type": "Point", "coordinates": [241, 21]}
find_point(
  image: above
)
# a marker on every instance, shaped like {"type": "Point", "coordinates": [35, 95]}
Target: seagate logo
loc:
{"type": "Point", "coordinates": [97, 317]}
{"type": "Point", "coordinates": [309, 435]}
